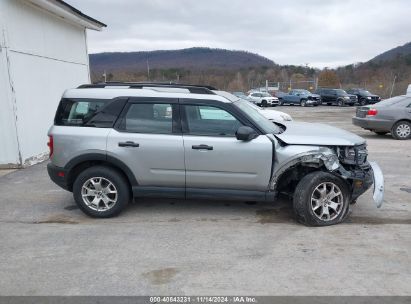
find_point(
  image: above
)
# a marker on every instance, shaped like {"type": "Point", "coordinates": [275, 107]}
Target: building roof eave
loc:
{"type": "Point", "coordinates": [68, 12]}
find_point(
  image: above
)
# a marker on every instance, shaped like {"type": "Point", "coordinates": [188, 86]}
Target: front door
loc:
{"type": "Point", "coordinates": [215, 159]}
{"type": "Point", "coordinates": [148, 140]}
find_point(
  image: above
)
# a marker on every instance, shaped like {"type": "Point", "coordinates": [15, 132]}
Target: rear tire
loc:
{"type": "Point", "coordinates": [101, 192]}
{"type": "Point", "coordinates": [401, 130]}
{"type": "Point", "coordinates": [321, 199]}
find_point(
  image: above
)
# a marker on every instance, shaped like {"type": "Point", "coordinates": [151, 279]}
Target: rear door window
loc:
{"type": "Point", "coordinates": [148, 118]}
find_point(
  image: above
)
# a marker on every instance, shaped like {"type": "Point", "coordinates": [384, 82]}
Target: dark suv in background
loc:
{"type": "Point", "coordinates": [336, 96]}
{"type": "Point", "coordinates": [364, 96]}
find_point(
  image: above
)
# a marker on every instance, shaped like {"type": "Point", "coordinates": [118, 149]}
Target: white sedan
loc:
{"type": "Point", "coordinates": [272, 115]}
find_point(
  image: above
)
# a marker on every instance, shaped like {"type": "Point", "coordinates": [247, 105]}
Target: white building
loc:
{"type": "Point", "coordinates": [43, 51]}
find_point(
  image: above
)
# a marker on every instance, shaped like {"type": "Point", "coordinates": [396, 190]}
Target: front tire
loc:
{"type": "Point", "coordinates": [303, 102]}
{"type": "Point", "coordinates": [401, 130]}
{"type": "Point", "coordinates": [101, 192]}
{"type": "Point", "coordinates": [363, 102]}
{"type": "Point", "coordinates": [340, 102]}
{"type": "Point", "coordinates": [321, 199]}
{"type": "Point", "coordinates": [264, 103]}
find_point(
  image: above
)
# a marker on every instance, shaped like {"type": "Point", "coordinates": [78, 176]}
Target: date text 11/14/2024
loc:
{"type": "Point", "coordinates": [203, 299]}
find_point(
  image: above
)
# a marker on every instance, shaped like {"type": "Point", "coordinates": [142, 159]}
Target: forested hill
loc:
{"type": "Point", "coordinates": [188, 59]}
{"type": "Point", "coordinates": [395, 53]}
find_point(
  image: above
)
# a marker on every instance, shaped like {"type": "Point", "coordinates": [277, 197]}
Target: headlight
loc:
{"type": "Point", "coordinates": [356, 155]}
{"type": "Point", "coordinates": [286, 117]}
{"type": "Point", "coordinates": [347, 97]}
{"type": "Point", "coordinates": [368, 97]}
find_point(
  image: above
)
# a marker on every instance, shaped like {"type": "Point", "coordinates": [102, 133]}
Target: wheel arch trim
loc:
{"type": "Point", "coordinates": [100, 157]}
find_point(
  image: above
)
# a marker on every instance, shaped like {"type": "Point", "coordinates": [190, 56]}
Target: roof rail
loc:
{"type": "Point", "coordinates": [192, 88]}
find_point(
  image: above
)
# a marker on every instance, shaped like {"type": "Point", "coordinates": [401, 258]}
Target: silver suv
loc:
{"type": "Point", "coordinates": [113, 142]}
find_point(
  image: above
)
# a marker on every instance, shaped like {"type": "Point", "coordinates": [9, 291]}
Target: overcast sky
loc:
{"type": "Point", "coordinates": [316, 32]}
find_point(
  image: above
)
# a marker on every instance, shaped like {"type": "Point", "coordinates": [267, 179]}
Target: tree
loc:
{"type": "Point", "coordinates": [328, 79]}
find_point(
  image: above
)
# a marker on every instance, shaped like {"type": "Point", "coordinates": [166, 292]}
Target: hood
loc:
{"type": "Point", "coordinates": [304, 133]}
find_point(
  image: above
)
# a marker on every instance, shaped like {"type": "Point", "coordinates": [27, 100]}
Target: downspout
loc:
{"type": "Point", "coordinates": [13, 97]}
{"type": "Point", "coordinates": [87, 56]}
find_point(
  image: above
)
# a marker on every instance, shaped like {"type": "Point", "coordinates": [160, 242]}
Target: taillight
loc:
{"type": "Point", "coordinates": [372, 112]}
{"type": "Point", "coordinates": [51, 145]}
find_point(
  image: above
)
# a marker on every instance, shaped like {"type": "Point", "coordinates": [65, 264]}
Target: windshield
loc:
{"type": "Point", "coordinates": [365, 92]}
{"type": "Point", "coordinates": [265, 95]}
{"type": "Point", "coordinates": [341, 92]}
{"type": "Point", "coordinates": [303, 92]}
{"type": "Point", "coordinates": [254, 113]}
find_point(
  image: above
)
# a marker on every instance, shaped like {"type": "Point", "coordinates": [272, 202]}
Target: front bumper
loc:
{"type": "Point", "coordinates": [362, 180]}
{"type": "Point", "coordinates": [58, 176]}
{"type": "Point", "coordinates": [313, 102]}
{"type": "Point", "coordinates": [378, 179]}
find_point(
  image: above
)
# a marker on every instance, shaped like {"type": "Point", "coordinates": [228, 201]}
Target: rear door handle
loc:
{"type": "Point", "coordinates": [202, 147]}
{"type": "Point", "coordinates": [128, 144]}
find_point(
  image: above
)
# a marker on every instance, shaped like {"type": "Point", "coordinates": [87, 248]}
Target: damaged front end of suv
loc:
{"type": "Point", "coordinates": [305, 149]}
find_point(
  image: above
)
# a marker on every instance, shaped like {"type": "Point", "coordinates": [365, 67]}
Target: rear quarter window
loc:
{"type": "Point", "coordinates": [88, 112]}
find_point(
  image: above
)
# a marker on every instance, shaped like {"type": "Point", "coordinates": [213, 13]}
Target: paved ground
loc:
{"type": "Point", "coordinates": [48, 247]}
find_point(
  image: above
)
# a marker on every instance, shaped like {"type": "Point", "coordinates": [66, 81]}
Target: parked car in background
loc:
{"type": "Point", "coordinates": [279, 94]}
{"type": "Point", "coordinates": [109, 145]}
{"type": "Point", "coordinates": [301, 97]}
{"type": "Point", "coordinates": [242, 95]}
{"type": "Point", "coordinates": [263, 99]}
{"type": "Point", "coordinates": [272, 115]}
{"type": "Point", "coordinates": [392, 115]}
{"type": "Point", "coordinates": [364, 97]}
{"type": "Point", "coordinates": [336, 96]}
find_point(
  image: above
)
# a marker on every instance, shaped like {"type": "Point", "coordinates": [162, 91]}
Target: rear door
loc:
{"type": "Point", "coordinates": [214, 158]}
{"type": "Point", "coordinates": [148, 139]}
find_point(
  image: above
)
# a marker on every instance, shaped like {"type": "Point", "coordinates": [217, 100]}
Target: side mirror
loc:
{"type": "Point", "coordinates": [246, 133]}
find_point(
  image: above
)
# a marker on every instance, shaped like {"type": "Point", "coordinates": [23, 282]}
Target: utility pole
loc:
{"type": "Point", "coordinates": [393, 84]}
{"type": "Point", "coordinates": [105, 76]}
{"type": "Point", "coordinates": [148, 70]}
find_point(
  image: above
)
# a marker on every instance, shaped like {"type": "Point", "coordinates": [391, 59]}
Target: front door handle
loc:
{"type": "Point", "coordinates": [128, 144]}
{"type": "Point", "coordinates": [202, 147]}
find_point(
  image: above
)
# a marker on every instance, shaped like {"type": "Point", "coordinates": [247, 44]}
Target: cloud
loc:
{"type": "Point", "coordinates": [320, 33]}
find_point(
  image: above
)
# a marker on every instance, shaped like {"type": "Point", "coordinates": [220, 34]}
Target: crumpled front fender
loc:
{"type": "Point", "coordinates": [322, 156]}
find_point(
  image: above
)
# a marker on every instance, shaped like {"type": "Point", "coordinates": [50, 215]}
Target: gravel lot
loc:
{"type": "Point", "coordinates": [172, 247]}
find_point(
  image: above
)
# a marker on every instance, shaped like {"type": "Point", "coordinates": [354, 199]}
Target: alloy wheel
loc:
{"type": "Point", "coordinates": [99, 194]}
{"type": "Point", "coordinates": [327, 201]}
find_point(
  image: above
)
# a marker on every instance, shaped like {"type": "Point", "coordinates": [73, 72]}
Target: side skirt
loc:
{"type": "Point", "coordinates": [206, 194]}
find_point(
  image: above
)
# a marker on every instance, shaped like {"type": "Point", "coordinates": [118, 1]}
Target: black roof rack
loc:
{"type": "Point", "coordinates": [192, 88]}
